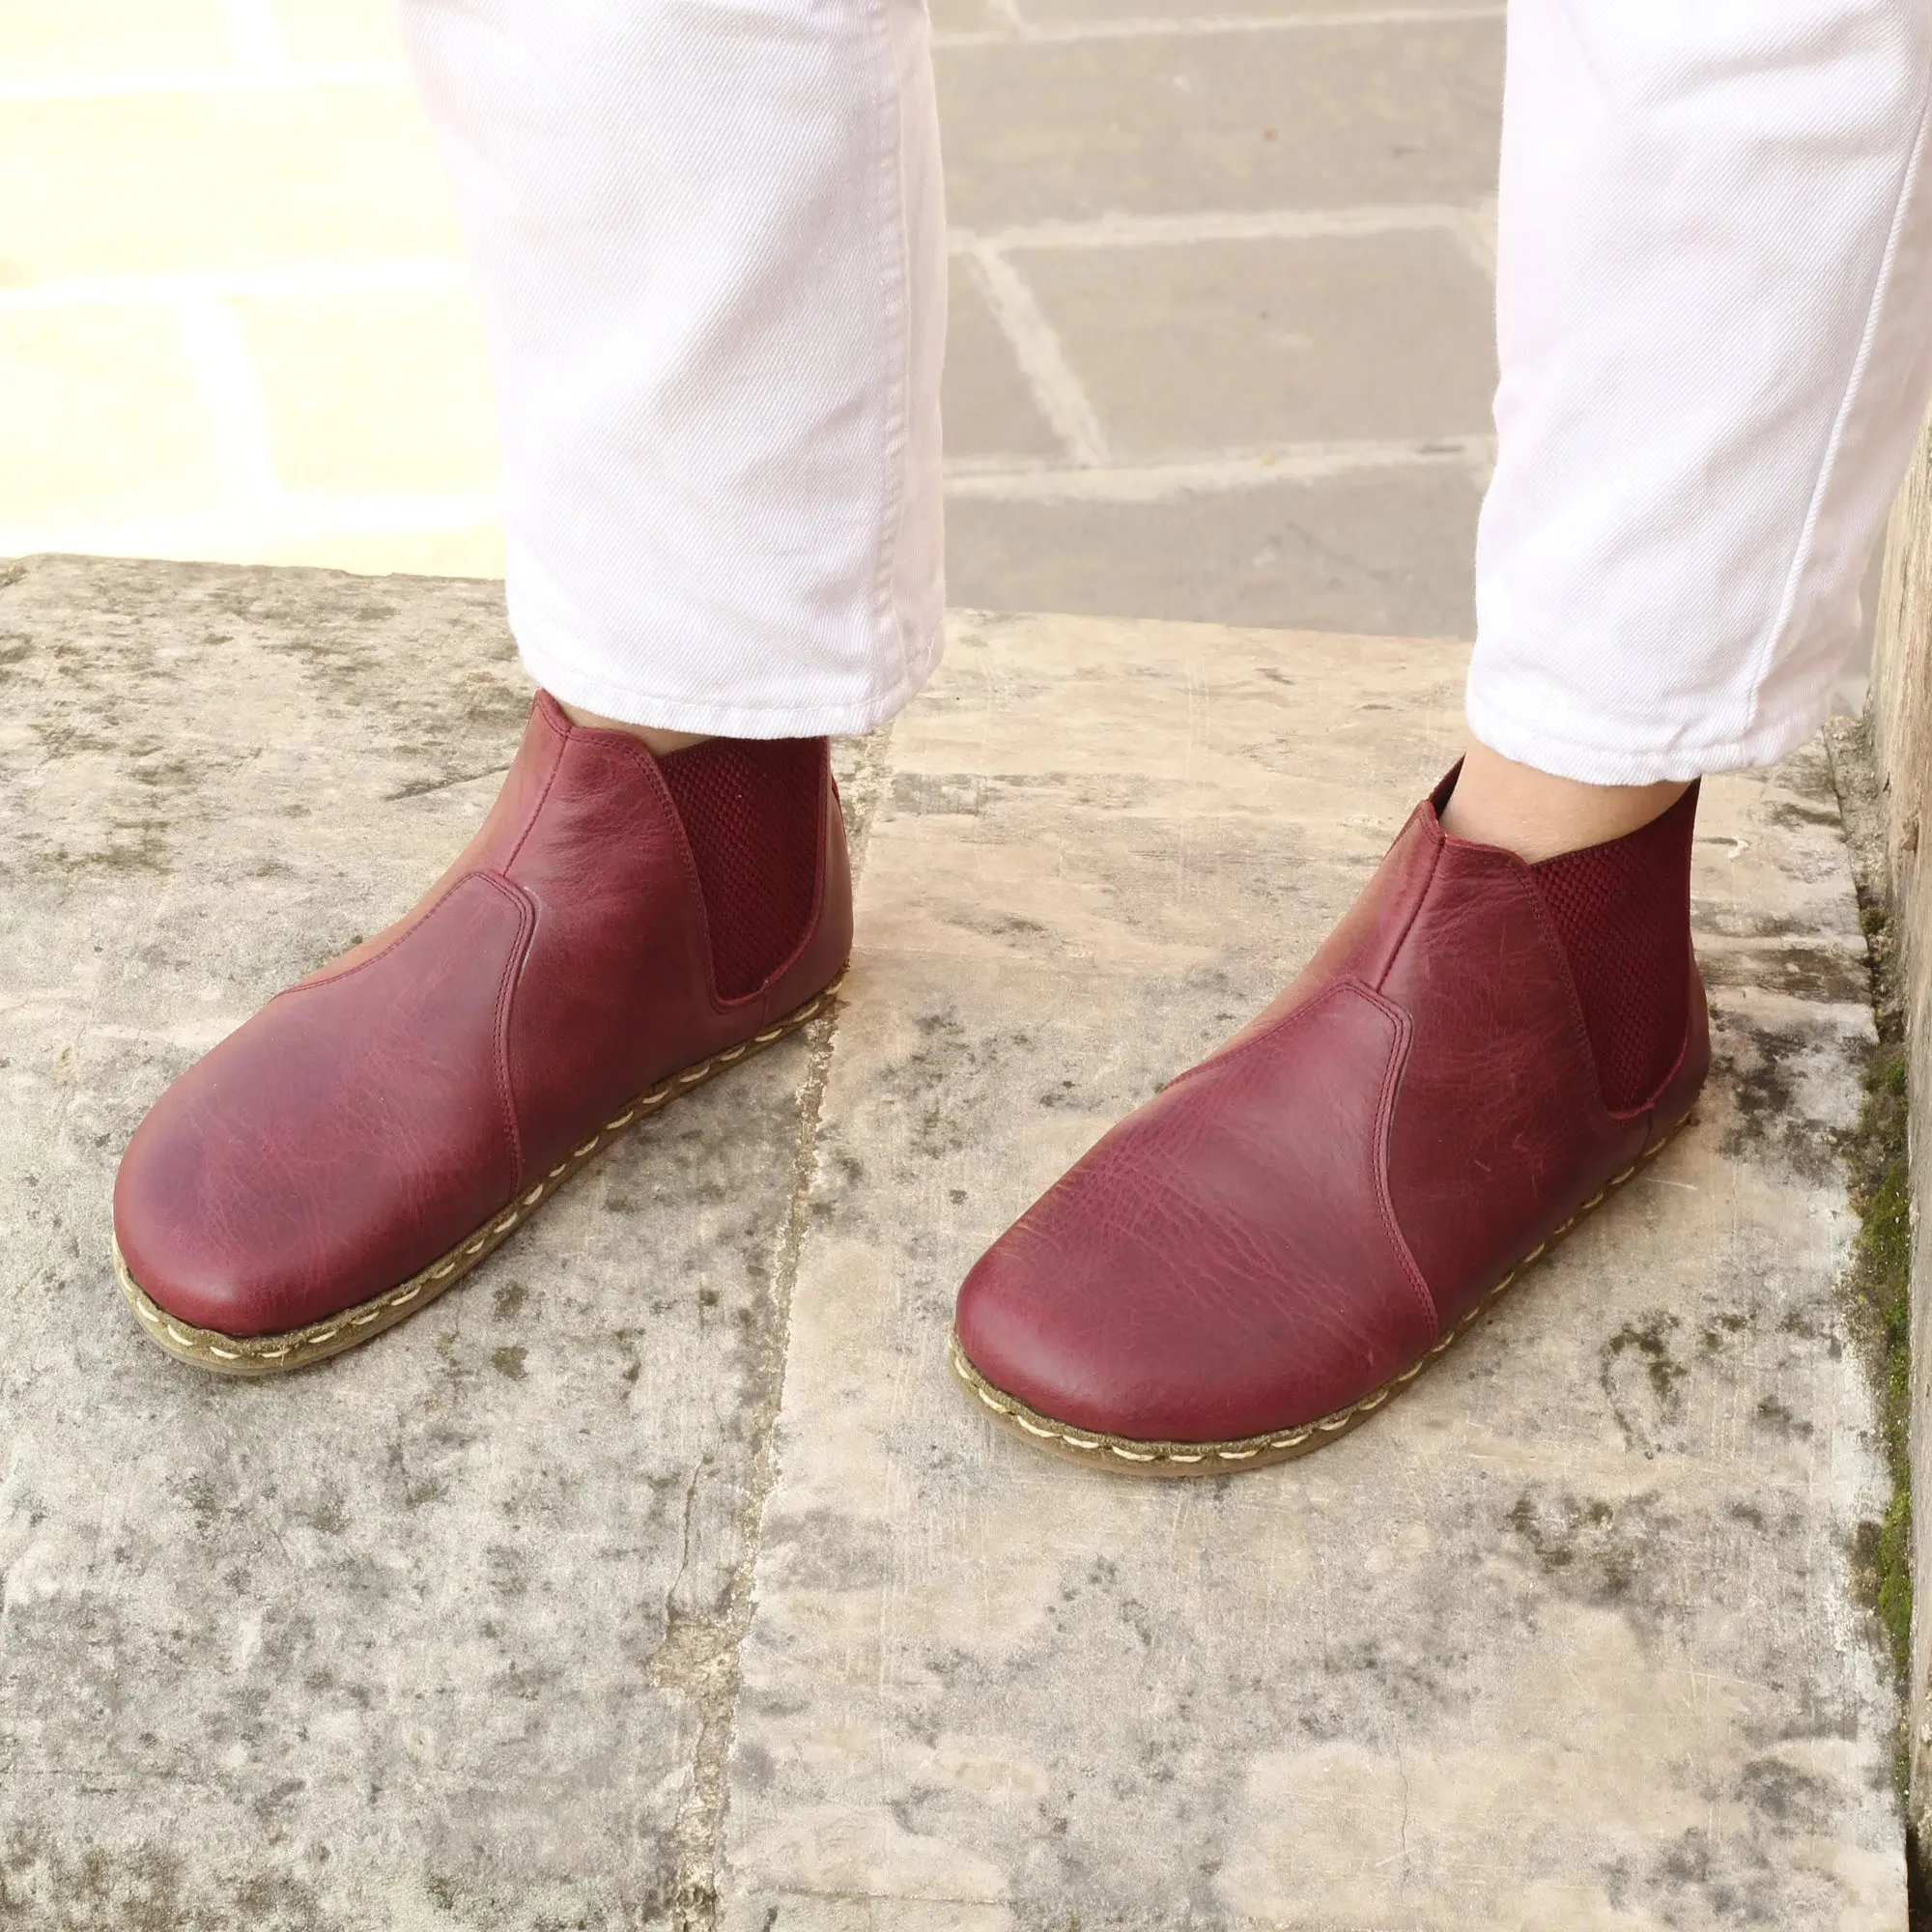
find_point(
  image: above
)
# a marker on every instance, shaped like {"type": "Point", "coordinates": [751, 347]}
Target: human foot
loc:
{"type": "Point", "coordinates": [621, 929]}
{"type": "Point", "coordinates": [662, 744]}
{"type": "Point", "coordinates": [1538, 816]}
{"type": "Point", "coordinates": [1256, 1260]}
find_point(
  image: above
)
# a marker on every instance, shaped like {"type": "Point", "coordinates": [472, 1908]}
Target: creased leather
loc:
{"type": "Point", "coordinates": [381, 1109]}
{"type": "Point", "coordinates": [1500, 1133]}
{"type": "Point", "coordinates": [1201, 1275]}
{"type": "Point", "coordinates": [614, 993]}
{"type": "Point", "coordinates": [1294, 1220]}
{"type": "Point", "coordinates": [1365, 938]}
{"type": "Point", "coordinates": [334, 1145]}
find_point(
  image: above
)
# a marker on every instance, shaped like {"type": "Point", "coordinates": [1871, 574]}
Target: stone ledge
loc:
{"type": "Point", "coordinates": [659, 1576]}
{"type": "Point", "coordinates": [1899, 718]}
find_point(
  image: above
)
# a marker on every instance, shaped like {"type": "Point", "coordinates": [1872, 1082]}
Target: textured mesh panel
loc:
{"type": "Point", "coordinates": [751, 810]}
{"type": "Point", "coordinates": [1623, 912]}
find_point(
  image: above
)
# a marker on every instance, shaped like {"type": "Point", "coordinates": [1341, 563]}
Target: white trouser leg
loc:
{"type": "Point", "coordinates": [708, 237]}
{"type": "Point", "coordinates": [1714, 318]}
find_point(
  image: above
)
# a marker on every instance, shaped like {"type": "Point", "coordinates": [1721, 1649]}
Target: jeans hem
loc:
{"type": "Point", "coordinates": [561, 672]}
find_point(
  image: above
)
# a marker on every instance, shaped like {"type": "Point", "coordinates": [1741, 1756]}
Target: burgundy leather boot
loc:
{"type": "Point", "coordinates": [621, 929]}
{"type": "Point", "coordinates": [1283, 1237]}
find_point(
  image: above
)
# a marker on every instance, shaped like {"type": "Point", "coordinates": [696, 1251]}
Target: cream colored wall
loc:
{"type": "Point", "coordinates": [234, 319]}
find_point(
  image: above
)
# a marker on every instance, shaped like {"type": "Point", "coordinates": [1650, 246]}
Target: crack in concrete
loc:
{"type": "Point", "coordinates": [699, 1653]}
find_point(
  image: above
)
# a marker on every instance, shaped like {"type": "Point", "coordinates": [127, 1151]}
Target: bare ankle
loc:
{"type": "Point", "coordinates": [1538, 816]}
{"type": "Point", "coordinates": [661, 743]}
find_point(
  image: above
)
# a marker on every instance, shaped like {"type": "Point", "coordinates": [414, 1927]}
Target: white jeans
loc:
{"type": "Point", "coordinates": [1714, 318]}
{"type": "Point", "coordinates": [710, 245]}
{"type": "Point", "coordinates": [709, 241]}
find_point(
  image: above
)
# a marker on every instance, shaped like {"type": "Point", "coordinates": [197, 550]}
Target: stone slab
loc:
{"type": "Point", "coordinates": [451, 1636]}
{"type": "Point", "coordinates": [988, 407]}
{"type": "Point", "coordinates": [445, 1639]}
{"type": "Point", "coordinates": [169, 182]}
{"type": "Point", "coordinates": [1213, 14]}
{"type": "Point", "coordinates": [199, 230]}
{"type": "Point", "coordinates": [1232, 345]}
{"type": "Point", "coordinates": [1565, 1640]}
{"type": "Point", "coordinates": [969, 16]}
{"type": "Point", "coordinates": [74, 386]}
{"type": "Point", "coordinates": [1900, 714]}
{"type": "Point", "coordinates": [374, 390]}
{"type": "Point", "coordinates": [1391, 548]}
{"type": "Point", "coordinates": [1173, 124]}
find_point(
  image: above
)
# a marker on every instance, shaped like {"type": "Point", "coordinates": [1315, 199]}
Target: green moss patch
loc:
{"type": "Point", "coordinates": [1882, 1277]}
{"type": "Point", "coordinates": [1880, 1285]}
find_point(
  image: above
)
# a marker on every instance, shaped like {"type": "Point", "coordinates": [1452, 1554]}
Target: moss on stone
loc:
{"type": "Point", "coordinates": [1882, 1194]}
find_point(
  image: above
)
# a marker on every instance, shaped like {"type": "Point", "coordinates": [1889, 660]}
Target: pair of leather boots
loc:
{"type": "Point", "coordinates": [1241, 1270]}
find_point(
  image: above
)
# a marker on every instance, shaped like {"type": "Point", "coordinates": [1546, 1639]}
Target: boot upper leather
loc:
{"type": "Point", "coordinates": [1291, 1223]}
{"type": "Point", "coordinates": [378, 1112]}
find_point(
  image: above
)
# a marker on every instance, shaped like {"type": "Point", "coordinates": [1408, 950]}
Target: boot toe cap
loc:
{"type": "Point", "coordinates": [1181, 1339]}
{"type": "Point", "coordinates": [1218, 1267]}
{"type": "Point", "coordinates": [215, 1237]}
{"type": "Point", "coordinates": [302, 1168]}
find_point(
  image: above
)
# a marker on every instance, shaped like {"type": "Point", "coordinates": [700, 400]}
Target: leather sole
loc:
{"type": "Point", "coordinates": [296, 1347]}
{"type": "Point", "coordinates": [1130, 1456]}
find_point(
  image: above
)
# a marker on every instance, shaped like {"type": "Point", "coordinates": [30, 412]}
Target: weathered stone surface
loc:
{"type": "Point", "coordinates": [1164, 123]}
{"type": "Point", "coordinates": [1899, 707]}
{"type": "Point", "coordinates": [450, 1633]}
{"type": "Point", "coordinates": [1388, 547]}
{"type": "Point", "coordinates": [1232, 345]}
{"type": "Point", "coordinates": [440, 1640]}
{"type": "Point", "coordinates": [989, 409]}
{"type": "Point", "coordinates": [1210, 12]}
{"type": "Point", "coordinates": [1565, 1640]}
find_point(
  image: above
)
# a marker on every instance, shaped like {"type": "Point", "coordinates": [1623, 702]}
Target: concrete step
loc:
{"type": "Point", "coordinates": [660, 1575]}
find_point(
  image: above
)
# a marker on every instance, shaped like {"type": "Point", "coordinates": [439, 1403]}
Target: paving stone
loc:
{"type": "Point", "coordinates": [439, 1640]}
{"type": "Point", "coordinates": [368, 442]}
{"type": "Point", "coordinates": [969, 16]}
{"type": "Point", "coordinates": [1209, 12]}
{"type": "Point", "coordinates": [375, 390]}
{"type": "Point", "coordinates": [336, 30]}
{"type": "Point", "coordinates": [1175, 124]}
{"type": "Point", "coordinates": [473, 550]}
{"type": "Point", "coordinates": [988, 409]}
{"type": "Point", "coordinates": [177, 183]}
{"type": "Point", "coordinates": [450, 1634]}
{"type": "Point", "coordinates": [1890, 751]}
{"type": "Point", "coordinates": [1567, 1639]}
{"type": "Point", "coordinates": [52, 38]}
{"type": "Point", "coordinates": [100, 407]}
{"type": "Point", "coordinates": [1386, 551]}
{"type": "Point", "coordinates": [1232, 345]}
